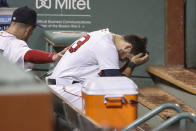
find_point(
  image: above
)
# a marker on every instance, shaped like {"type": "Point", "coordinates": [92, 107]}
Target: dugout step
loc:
{"type": "Point", "coordinates": [181, 77]}
{"type": "Point", "coordinates": [143, 127]}
{"type": "Point", "coordinates": [152, 97]}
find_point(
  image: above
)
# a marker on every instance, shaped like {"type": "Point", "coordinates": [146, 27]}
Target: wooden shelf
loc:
{"type": "Point", "coordinates": [177, 75]}
{"type": "Point", "coordinates": [152, 97]}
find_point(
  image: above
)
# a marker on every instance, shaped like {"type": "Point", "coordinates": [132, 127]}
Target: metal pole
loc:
{"type": "Point", "coordinates": [176, 118]}
{"type": "Point", "coordinates": [80, 122]}
{"type": "Point", "coordinates": [151, 114]}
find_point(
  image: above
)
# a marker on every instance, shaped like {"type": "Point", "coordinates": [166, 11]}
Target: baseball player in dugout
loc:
{"type": "Point", "coordinates": [13, 41]}
{"type": "Point", "coordinates": [97, 54]}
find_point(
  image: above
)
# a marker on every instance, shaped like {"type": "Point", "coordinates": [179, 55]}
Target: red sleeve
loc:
{"type": "Point", "coordinates": [38, 57]}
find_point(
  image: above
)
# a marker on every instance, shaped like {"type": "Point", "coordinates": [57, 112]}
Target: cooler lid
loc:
{"type": "Point", "coordinates": [109, 85]}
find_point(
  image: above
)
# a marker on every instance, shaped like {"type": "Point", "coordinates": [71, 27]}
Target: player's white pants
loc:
{"type": "Point", "coordinates": [71, 93]}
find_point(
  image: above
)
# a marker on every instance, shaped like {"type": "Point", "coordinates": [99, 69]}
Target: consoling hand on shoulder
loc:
{"type": "Point", "coordinates": [57, 57]}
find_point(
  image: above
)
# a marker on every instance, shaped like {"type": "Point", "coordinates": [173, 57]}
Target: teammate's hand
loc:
{"type": "Point", "coordinates": [57, 57]}
{"type": "Point", "coordinates": [139, 59]}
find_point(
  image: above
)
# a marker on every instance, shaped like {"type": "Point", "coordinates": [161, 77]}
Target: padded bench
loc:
{"type": "Point", "coordinates": [58, 40]}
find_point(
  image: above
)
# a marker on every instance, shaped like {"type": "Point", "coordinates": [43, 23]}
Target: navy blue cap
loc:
{"type": "Point", "coordinates": [25, 15]}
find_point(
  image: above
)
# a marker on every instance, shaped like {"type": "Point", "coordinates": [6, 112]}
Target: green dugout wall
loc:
{"type": "Point", "coordinates": [143, 17]}
{"type": "Point", "coordinates": [190, 33]}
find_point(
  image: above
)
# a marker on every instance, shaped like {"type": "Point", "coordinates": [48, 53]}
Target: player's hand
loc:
{"type": "Point", "coordinates": [139, 59]}
{"type": "Point", "coordinates": [57, 57]}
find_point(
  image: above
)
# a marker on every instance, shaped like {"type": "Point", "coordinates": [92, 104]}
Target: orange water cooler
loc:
{"type": "Point", "coordinates": [110, 101]}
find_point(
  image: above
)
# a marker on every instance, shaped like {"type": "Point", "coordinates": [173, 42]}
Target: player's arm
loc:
{"type": "Point", "coordinates": [127, 69]}
{"type": "Point", "coordinates": [42, 57]}
{"type": "Point", "coordinates": [136, 60]}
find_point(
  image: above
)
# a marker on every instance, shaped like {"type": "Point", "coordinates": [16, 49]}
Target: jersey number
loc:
{"type": "Point", "coordinates": [78, 44]}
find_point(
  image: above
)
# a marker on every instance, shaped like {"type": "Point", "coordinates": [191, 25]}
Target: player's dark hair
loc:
{"type": "Point", "coordinates": [138, 43]}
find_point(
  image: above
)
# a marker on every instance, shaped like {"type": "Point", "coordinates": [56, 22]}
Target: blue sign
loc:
{"type": "Point", "coordinates": [5, 22]}
{"type": "Point", "coordinates": [5, 19]}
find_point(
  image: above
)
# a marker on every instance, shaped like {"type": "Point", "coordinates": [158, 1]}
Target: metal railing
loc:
{"type": "Point", "coordinates": [153, 113]}
{"type": "Point", "coordinates": [174, 119]}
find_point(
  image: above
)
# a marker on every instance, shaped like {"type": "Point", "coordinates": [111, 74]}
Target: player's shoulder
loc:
{"type": "Point", "coordinates": [5, 34]}
{"type": "Point", "coordinates": [10, 37]}
{"type": "Point", "coordinates": [17, 43]}
{"type": "Point", "coordinates": [103, 34]}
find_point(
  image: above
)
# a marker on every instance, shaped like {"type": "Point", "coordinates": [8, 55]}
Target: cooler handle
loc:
{"type": "Point", "coordinates": [133, 102]}
{"type": "Point", "coordinates": [114, 101]}
{"type": "Point", "coordinates": [115, 98]}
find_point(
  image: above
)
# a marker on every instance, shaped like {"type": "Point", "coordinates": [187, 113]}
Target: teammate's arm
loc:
{"type": "Point", "coordinates": [42, 57]}
{"type": "Point", "coordinates": [38, 57]}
